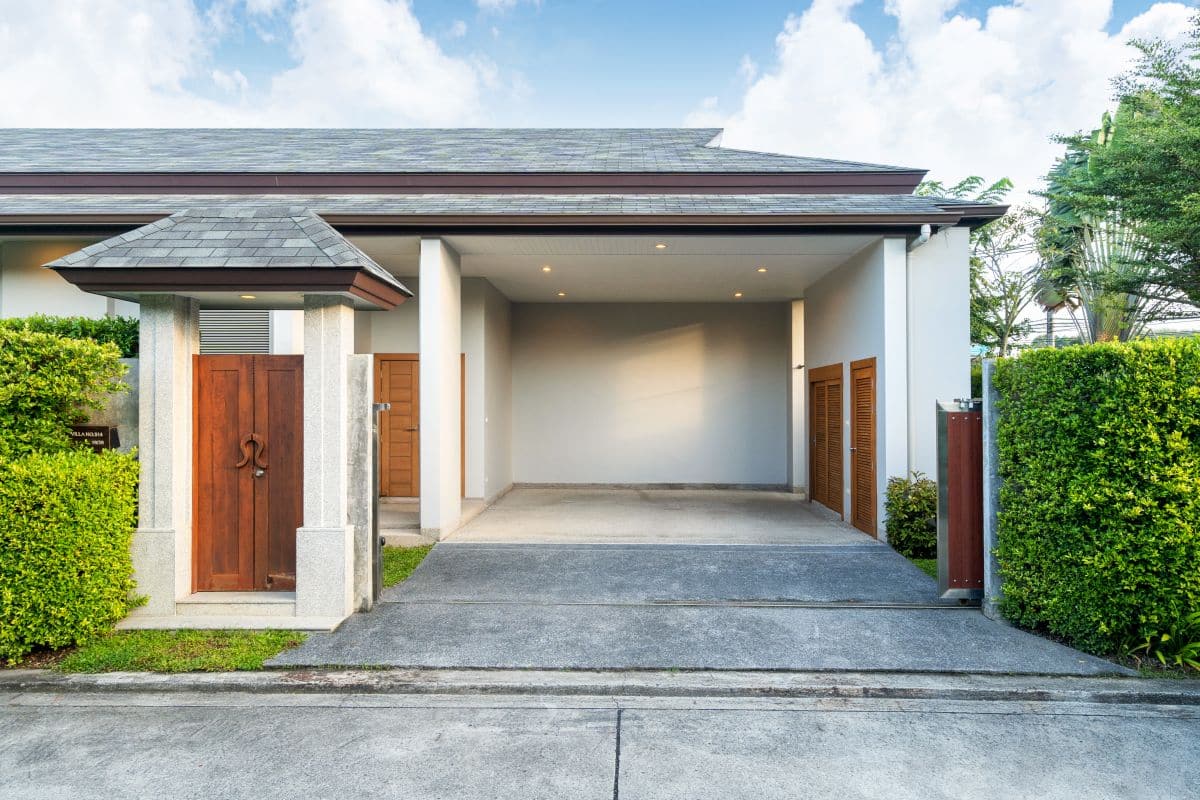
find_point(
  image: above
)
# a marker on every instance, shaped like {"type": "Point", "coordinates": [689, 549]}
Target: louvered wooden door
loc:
{"type": "Point", "coordinates": [248, 461]}
{"type": "Point", "coordinates": [862, 445]}
{"type": "Point", "coordinates": [825, 436]}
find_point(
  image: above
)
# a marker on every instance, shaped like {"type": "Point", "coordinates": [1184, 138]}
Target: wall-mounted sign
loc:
{"type": "Point", "coordinates": [97, 437]}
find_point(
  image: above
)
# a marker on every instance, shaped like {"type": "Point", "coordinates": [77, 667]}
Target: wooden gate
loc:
{"type": "Point", "coordinates": [862, 445]}
{"type": "Point", "coordinates": [248, 471]}
{"type": "Point", "coordinates": [825, 436]}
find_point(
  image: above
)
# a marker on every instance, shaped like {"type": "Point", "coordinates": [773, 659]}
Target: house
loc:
{"type": "Point", "coordinates": [536, 307]}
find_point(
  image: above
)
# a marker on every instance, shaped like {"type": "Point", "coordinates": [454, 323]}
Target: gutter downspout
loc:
{"type": "Point", "coordinates": [926, 232]}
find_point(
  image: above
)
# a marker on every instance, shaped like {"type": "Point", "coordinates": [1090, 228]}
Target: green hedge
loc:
{"type": "Point", "coordinates": [911, 510]}
{"type": "Point", "coordinates": [66, 522]}
{"type": "Point", "coordinates": [121, 331]}
{"type": "Point", "coordinates": [1099, 530]}
{"type": "Point", "coordinates": [47, 384]}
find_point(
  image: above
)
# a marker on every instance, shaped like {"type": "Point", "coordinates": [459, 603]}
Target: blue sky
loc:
{"type": "Point", "coordinates": [958, 87]}
{"type": "Point", "coordinates": [604, 62]}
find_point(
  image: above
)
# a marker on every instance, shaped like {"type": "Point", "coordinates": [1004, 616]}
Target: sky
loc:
{"type": "Point", "coordinates": [957, 87]}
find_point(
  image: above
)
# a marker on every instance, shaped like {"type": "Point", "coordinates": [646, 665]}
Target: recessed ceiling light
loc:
{"type": "Point", "coordinates": [762, 269]}
{"type": "Point", "coordinates": [660, 246]}
{"type": "Point", "coordinates": [248, 296]}
{"type": "Point", "coordinates": [546, 268]}
{"type": "Point", "coordinates": [737, 294]}
{"type": "Point", "coordinates": [562, 294]}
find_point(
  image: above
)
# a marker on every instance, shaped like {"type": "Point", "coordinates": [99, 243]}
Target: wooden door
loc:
{"type": "Point", "coordinates": [397, 381]}
{"type": "Point", "coordinates": [248, 471]}
{"type": "Point", "coordinates": [825, 436]}
{"type": "Point", "coordinates": [862, 445]}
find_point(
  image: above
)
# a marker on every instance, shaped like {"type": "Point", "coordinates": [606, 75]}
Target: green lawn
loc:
{"type": "Point", "coordinates": [927, 565]}
{"type": "Point", "coordinates": [179, 651]}
{"type": "Point", "coordinates": [399, 562]}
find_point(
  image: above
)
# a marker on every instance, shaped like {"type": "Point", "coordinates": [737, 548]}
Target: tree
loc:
{"type": "Point", "coordinates": [1094, 253]}
{"type": "Point", "coordinates": [1004, 286]}
{"type": "Point", "coordinates": [988, 306]}
{"type": "Point", "coordinates": [1147, 170]}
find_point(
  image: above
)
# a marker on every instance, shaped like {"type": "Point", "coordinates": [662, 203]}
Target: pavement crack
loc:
{"type": "Point", "coordinates": [617, 758]}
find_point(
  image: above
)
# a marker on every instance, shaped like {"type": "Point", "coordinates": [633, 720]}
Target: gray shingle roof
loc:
{"type": "Point", "coordinates": [455, 150]}
{"type": "Point", "coordinates": [487, 204]}
{"type": "Point", "coordinates": [231, 236]}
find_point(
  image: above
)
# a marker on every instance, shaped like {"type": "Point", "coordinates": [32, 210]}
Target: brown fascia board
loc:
{"type": "Point", "coordinates": [232, 279]}
{"type": "Point", "coordinates": [889, 182]}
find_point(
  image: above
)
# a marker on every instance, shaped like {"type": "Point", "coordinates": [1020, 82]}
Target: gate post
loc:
{"type": "Point", "coordinates": [993, 589]}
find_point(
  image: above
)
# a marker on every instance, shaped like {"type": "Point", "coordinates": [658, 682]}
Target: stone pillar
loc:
{"type": "Point", "coordinates": [363, 476]}
{"type": "Point", "coordinates": [440, 309]}
{"type": "Point", "coordinates": [325, 545]}
{"type": "Point", "coordinates": [993, 589]}
{"type": "Point", "coordinates": [162, 544]}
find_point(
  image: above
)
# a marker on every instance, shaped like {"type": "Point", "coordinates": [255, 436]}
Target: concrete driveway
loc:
{"type": "Point", "coordinates": [615, 579]}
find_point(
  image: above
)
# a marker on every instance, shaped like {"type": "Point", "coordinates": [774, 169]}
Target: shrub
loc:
{"type": "Point", "coordinates": [1098, 537]}
{"type": "Point", "coordinates": [976, 379]}
{"type": "Point", "coordinates": [121, 331]}
{"type": "Point", "coordinates": [911, 511]}
{"type": "Point", "coordinates": [66, 522]}
{"type": "Point", "coordinates": [47, 383]}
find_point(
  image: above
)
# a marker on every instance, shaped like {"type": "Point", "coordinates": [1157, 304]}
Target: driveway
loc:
{"type": "Point", "coordinates": [615, 579]}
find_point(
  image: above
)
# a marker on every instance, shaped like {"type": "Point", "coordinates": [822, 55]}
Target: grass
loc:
{"type": "Point", "coordinates": [399, 562]}
{"type": "Point", "coordinates": [179, 651]}
{"type": "Point", "coordinates": [926, 565]}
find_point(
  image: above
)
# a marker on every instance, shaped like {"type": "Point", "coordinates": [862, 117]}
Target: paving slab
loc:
{"type": "Point", "coordinates": [859, 573]}
{"type": "Point", "coordinates": [515, 635]}
{"type": "Point", "coordinates": [179, 750]}
{"type": "Point", "coordinates": [922, 755]}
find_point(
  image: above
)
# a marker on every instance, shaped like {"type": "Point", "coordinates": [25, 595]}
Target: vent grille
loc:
{"type": "Point", "coordinates": [235, 332]}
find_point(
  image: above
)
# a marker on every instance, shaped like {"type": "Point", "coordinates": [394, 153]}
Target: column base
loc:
{"type": "Point", "coordinates": [153, 551]}
{"type": "Point", "coordinates": [325, 571]}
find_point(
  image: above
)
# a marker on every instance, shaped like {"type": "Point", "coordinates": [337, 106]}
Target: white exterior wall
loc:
{"type": "Point", "coordinates": [650, 393]}
{"type": "Point", "coordinates": [860, 311]}
{"type": "Point", "coordinates": [497, 383]}
{"type": "Point", "coordinates": [939, 337]}
{"type": "Point", "coordinates": [798, 403]}
{"type": "Point", "coordinates": [27, 288]}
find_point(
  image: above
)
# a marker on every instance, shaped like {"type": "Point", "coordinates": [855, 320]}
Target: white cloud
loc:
{"type": "Point", "coordinates": [497, 6]}
{"type": "Point", "coordinates": [264, 7]}
{"type": "Point", "coordinates": [128, 63]}
{"type": "Point", "coordinates": [953, 93]}
{"type": "Point", "coordinates": [458, 29]}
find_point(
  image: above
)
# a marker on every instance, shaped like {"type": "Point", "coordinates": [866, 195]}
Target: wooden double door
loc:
{"type": "Point", "coordinates": [826, 445]}
{"type": "Point", "coordinates": [248, 471]}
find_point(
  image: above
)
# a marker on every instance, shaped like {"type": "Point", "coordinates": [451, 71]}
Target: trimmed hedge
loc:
{"type": "Point", "coordinates": [121, 331]}
{"type": "Point", "coordinates": [911, 510]}
{"type": "Point", "coordinates": [1099, 529]}
{"type": "Point", "coordinates": [66, 523]}
{"type": "Point", "coordinates": [47, 384]}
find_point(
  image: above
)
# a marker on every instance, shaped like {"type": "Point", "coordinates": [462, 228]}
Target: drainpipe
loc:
{"type": "Point", "coordinates": [926, 231]}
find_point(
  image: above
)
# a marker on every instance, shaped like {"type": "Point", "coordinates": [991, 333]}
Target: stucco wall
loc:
{"type": "Point", "coordinates": [858, 311]}
{"type": "Point", "coordinates": [650, 393]}
{"type": "Point", "coordinates": [497, 412]}
{"type": "Point", "coordinates": [26, 287]}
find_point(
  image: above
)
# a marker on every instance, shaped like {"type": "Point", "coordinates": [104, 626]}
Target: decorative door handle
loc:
{"type": "Point", "coordinates": [245, 445]}
{"type": "Point", "coordinates": [260, 451]}
{"type": "Point", "coordinates": [259, 448]}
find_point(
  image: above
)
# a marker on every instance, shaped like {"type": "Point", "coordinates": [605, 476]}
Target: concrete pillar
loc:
{"type": "Point", "coordinates": [440, 308]}
{"type": "Point", "coordinates": [363, 476]}
{"type": "Point", "coordinates": [892, 382]}
{"type": "Point", "coordinates": [325, 545]}
{"type": "Point", "coordinates": [798, 404]}
{"type": "Point", "coordinates": [162, 544]}
{"type": "Point", "coordinates": [993, 588]}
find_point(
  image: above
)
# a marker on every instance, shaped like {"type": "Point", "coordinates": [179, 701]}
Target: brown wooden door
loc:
{"type": "Point", "coordinates": [248, 463]}
{"type": "Point", "coordinates": [825, 436]}
{"type": "Point", "coordinates": [862, 445]}
{"type": "Point", "coordinates": [397, 381]}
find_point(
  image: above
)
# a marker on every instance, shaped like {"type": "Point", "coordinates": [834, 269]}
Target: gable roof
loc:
{"type": "Point", "coordinates": [402, 150]}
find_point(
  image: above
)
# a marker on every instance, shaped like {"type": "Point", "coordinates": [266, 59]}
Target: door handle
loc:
{"type": "Point", "coordinates": [413, 428]}
{"type": "Point", "coordinates": [260, 451]}
{"type": "Point", "coordinates": [246, 455]}
{"type": "Point", "coordinates": [253, 447]}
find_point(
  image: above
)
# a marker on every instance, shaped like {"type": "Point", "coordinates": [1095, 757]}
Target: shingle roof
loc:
{"type": "Point", "coordinates": [231, 236]}
{"type": "Point", "coordinates": [407, 150]}
{"type": "Point", "coordinates": [488, 204]}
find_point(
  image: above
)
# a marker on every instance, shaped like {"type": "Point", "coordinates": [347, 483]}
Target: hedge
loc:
{"type": "Point", "coordinates": [66, 523]}
{"type": "Point", "coordinates": [1099, 530]}
{"type": "Point", "coordinates": [47, 384]}
{"type": "Point", "coordinates": [120, 331]}
{"type": "Point", "coordinates": [911, 510]}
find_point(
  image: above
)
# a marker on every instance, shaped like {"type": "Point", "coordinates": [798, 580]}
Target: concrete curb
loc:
{"type": "Point", "coordinates": [729, 684]}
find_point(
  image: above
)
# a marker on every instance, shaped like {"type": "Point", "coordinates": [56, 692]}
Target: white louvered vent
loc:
{"type": "Point", "coordinates": [241, 331]}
